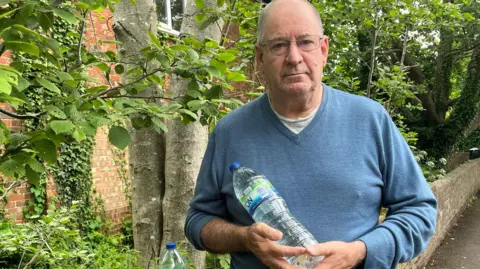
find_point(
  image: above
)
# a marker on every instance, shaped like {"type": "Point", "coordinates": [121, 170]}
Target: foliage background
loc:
{"type": "Point", "coordinates": [420, 59]}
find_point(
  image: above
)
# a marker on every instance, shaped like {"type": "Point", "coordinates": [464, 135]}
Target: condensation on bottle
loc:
{"type": "Point", "coordinates": [171, 259]}
{"type": "Point", "coordinates": [263, 202]}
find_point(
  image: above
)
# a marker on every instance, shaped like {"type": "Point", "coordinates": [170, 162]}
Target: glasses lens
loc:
{"type": "Point", "coordinates": [278, 47]}
{"type": "Point", "coordinates": [281, 46]}
{"type": "Point", "coordinates": [308, 43]}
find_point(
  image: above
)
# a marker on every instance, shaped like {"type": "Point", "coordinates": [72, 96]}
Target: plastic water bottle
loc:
{"type": "Point", "coordinates": [171, 259]}
{"type": "Point", "coordinates": [264, 203]}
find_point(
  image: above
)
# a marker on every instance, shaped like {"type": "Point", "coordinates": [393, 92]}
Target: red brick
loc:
{"type": "Point", "coordinates": [15, 197]}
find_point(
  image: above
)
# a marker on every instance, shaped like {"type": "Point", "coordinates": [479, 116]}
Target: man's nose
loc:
{"type": "Point", "coordinates": [294, 56]}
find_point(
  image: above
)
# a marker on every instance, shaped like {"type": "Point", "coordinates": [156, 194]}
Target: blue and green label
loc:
{"type": "Point", "coordinates": [256, 194]}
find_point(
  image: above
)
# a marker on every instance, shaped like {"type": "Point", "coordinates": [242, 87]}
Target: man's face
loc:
{"type": "Point", "coordinates": [297, 71]}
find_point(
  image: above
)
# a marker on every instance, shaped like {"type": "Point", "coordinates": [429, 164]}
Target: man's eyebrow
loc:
{"type": "Point", "coordinates": [280, 38]}
{"type": "Point", "coordinates": [304, 35]}
{"type": "Point", "coordinates": [286, 38]}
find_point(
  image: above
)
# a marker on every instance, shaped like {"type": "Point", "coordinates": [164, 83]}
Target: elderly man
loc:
{"type": "Point", "coordinates": [336, 159]}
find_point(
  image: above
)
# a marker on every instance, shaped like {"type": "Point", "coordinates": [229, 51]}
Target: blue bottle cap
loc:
{"type": "Point", "coordinates": [171, 245]}
{"type": "Point", "coordinates": [234, 166]}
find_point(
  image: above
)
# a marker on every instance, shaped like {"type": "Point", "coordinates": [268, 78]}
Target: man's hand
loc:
{"type": "Point", "coordinates": [260, 240]}
{"type": "Point", "coordinates": [338, 255]}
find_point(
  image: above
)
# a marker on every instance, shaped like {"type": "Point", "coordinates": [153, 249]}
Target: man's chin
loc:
{"type": "Point", "coordinates": [298, 88]}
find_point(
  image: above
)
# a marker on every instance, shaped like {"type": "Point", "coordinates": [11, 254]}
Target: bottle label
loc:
{"type": "Point", "coordinates": [256, 194]}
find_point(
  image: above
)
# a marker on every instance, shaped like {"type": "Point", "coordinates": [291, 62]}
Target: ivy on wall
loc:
{"type": "Point", "coordinates": [73, 177]}
{"type": "Point", "coordinates": [72, 171]}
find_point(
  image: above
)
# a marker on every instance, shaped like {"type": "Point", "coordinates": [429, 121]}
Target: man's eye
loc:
{"type": "Point", "coordinates": [305, 42]}
{"type": "Point", "coordinates": [279, 45]}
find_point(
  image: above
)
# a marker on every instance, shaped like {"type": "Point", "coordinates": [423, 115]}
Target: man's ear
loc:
{"type": "Point", "coordinates": [324, 48]}
{"type": "Point", "coordinates": [259, 56]}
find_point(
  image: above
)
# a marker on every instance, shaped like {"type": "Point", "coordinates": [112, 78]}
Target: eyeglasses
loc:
{"type": "Point", "coordinates": [282, 46]}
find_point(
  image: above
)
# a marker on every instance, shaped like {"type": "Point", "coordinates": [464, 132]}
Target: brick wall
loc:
{"type": "Point", "coordinates": [106, 179]}
{"type": "Point", "coordinates": [20, 196]}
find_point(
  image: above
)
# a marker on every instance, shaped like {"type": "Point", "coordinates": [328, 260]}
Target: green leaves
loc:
{"type": "Point", "coordinates": [214, 92]}
{"type": "Point", "coordinates": [119, 69]}
{"type": "Point", "coordinates": [119, 137]}
{"type": "Point", "coordinates": [11, 167]}
{"type": "Point", "coordinates": [212, 70]}
{"type": "Point", "coordinates": [159, 126]}
{"type": "Point", "coordinates": [22, 46]}
{"type": "Point", "coordinates": [33, 177]}
{"type": "Point", "coordinates": [47, 150]}
{"type": "Point", "coordinates": [79, 135]}
{"type": "Point", "coordinates": [66, 15]}
{"type": "Point", "coordinates": [48, 85]}
{"type": "Point", "coordinates": [61, 126]}
{"type": "Point", "coordinates": [25, 30]}
{"type": "Point", "coordinates": [46, 20]}
{"type": "Point", "coordinates": [192, 55]}
{"type": "Point", "coordinates": [200, 4]}
{"type": "Point", "coordinates": [199, 17]}
{"type": "Point", "coordinates": [226, 57]}
{"type": "Point", "coordinates": [236, 76]}
{"type": "Point", "coordinates": [55, 112]}
{"type": "Point", "coordinates": [7, 80]}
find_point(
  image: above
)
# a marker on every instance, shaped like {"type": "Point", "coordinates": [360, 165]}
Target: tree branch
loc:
{"type": "Point", "coordinates": [81, 37]}
{"type": "Point", "coordinates": [372, 62]}
{"type": "Point", "coordinates": [123, 85]}
{"type": "Point", "coordinates": [12, 185]}
{"type": "Point", "coordinates": [463, 50]}
{"type": "Point", "coordinates": [94, 32]}
{"type": "Point", "coordinates": [146, 97]}
{"type": "Point", "coordinates": [22, 117]}
{"type": "Point", "coordinates": [227, 28]}
{"type": "Point", "coordinates": [132, 36]}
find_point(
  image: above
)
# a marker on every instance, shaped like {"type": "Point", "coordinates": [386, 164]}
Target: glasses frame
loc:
{"type": "Point", "coordinates": [264, 44]}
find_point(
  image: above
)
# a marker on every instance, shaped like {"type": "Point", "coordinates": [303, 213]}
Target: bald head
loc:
{"type": "Point", "coordinates": [270, 10]}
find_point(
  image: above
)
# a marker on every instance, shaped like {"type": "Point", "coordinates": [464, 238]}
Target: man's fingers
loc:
{"type": "Point", "coordinates": [322, 249]}
{"type": "Point", "coordinates": [266, 231]}
{"type": "Point", "coordinates": [282, 264]}
{"type": "Point", "coordinates": [286, 251]}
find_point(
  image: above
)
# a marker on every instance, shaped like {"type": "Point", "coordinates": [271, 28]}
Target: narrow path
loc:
{"type": "Point", "coordinates": [461, 247]}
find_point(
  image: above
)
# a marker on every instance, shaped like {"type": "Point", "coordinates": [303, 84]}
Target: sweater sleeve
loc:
{"type": "Point", "coordinates": [412, 207]}
{"type": "Point", "coordinates": [207, 202]}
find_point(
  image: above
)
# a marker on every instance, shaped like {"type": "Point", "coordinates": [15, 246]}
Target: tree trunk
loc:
{"type": "Point", "coordinates": [416, 74]}
{"type": "Point", "coordinates": [364, 43]}
{"type": "Point", "coordinates": [147, 149]}
{"type": "Point", "coordinates": [465, 110]}
{"type": "Point", "coordinates": [443, 72]}
{"type": "Point", "coordinates": [185, 147]}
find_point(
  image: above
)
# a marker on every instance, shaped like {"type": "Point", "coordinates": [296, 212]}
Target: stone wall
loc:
{"type": "Point", "coordinates": [453, 194]}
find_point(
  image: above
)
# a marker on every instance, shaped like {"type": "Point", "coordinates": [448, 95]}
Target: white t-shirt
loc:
{"type": "Point", "coordinates": [298, 124]}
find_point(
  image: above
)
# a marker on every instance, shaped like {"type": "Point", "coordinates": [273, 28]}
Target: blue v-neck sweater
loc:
{"type": "Point", "coordinates": [335, 175]}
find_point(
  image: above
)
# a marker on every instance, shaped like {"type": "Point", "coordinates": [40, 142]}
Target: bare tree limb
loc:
{"type": "Point", "coordinates": [46, 243]}
{"type": "Point", "coordinates": [22, 117]}
{"type": "Point", "coordinates": [404, 50]}
{"type": "Point", "coordinates": [82, 30]}
{"type": "Point", "coordinates": [12, 186]}
{"type": "Point", "coordinates": [227, 28]}
{"type": "Point", "coordinates": [123, 85]}
{"type": "Point", "coordinates": [372, 62]}
{"type": "Point", "coordinates": [94, 32]}
{"type": "Point", "coordinates": [147, 97]}
{"type": "Point", "coordinates": [128, 32]}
